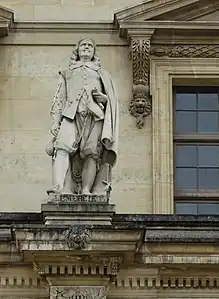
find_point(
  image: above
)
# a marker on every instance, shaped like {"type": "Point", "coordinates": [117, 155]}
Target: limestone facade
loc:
{"type": "Point", "coordinates": [139, 252]}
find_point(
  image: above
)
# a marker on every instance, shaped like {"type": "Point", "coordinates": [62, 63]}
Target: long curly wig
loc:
{"type": "Point", "coordinates": [75, 56]}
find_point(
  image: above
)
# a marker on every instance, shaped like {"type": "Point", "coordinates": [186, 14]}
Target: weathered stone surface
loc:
{"type": "Point", "coordinates": [22, 218]}
{"type": "Point", "coordinates": [156, 220]}
{"type": "Point", "coordinates": [59, 10]}
{"type": "Point", "coordinates": [5, 234]}
{"type": "Point", "coordinates": [74, 212]}
{"type": "Point", "coordinates": [77, 207]}
{"type": "Point", "coordinates": [182, 235]}
{"type": "Point", "coordinates": [95, 292]}
{"type": "Point", "coordinates": [120, 221]}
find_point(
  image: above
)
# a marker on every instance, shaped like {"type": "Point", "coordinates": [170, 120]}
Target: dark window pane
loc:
{"type": "Point", "coordinates": [185, 121]}
{"type": "Point", "coordinates": [207, 122]}
{"type": "Point", "coordinates": [186, 156]}
{"type": "Point", "coordinates": [208, 209]}
{"type": "Point", "coordinates": [208, 101]}
{"type": "Point", "coordinates": [208, 178]}
{"type": "Point", "coordinates": [186, 101]}
{"type": "Point", "coordinates": [208, 156]}
{"type": "Point", "coordinates": [204, 208]}
{"type": "Point", "coordinates": [186, 208]}
{"type": "Point", "coordinates": [186, 178]}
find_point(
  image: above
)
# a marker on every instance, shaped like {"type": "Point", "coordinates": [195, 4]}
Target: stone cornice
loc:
{"type": "Point", "coordinates": [6, 19]}
{"type": "Point", "coordinates": [142, 27]}
{"type": "Point", "coordinates": [105, 33]}
{"type": "Point", "coordinates": [119, 221]}
{"type": "Point", "coordinates": [63, 27]}
{"type": "Point", "coordinates": [16, 218]}
{"type": "Point", "coordinates": [6, 14]}
{"type": "Point", "coordinates": [150, 9]}
{"type": "Point", "coordinates": [197, 25]}
{"type": "Point", "coordinates": [138, 18]}
{"type": "Point", "coordinates": [62, 33]}
{"type": "Point", "coordinates": [110, 26]}
{"type": "Point", "coordinates": [155, 220]}
{"type": "Point", "coordinates": [192, 12]}
{"type": "Point", "coordinates": [180, 259]}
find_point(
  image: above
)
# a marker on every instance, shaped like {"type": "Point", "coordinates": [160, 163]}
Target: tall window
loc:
{"type": "Point", "coordinates": [196, 150]}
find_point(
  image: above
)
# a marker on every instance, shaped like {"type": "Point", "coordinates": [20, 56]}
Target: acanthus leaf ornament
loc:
{"type": "Point", "coordinates": [141, 104]}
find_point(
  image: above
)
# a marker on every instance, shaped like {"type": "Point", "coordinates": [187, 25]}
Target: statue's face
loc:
{"type": "Point", "coordinates": [86, 49]}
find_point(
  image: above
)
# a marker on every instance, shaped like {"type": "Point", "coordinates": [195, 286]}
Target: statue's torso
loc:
{"type": "Point", "coordinates": [80, 83]}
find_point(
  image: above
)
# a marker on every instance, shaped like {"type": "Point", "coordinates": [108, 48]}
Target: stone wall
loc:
{"type": "Point", "coordinates": [28, 79]}
{"type": "Point", "coordinates": [66, 10]}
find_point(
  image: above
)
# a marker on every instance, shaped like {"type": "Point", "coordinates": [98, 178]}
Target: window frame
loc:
{"type": "Point", "coordinates": [166, 72]}
{"type": "Point", "coordinates": [188, 138]}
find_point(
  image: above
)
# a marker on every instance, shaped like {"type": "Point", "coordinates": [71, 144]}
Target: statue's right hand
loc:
{"type": "Point", "coordinates": [55, 129]}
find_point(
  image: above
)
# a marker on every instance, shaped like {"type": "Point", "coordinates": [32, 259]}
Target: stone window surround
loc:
{"type": "Point", "coordinates": [164, 72]}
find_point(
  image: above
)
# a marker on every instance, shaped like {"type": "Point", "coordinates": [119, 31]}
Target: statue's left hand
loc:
{"type": "Point", "coordinates": [99, 97]}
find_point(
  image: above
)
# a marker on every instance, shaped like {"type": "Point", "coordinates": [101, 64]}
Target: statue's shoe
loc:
{"type": "Point", "coordinates": [55, 189]}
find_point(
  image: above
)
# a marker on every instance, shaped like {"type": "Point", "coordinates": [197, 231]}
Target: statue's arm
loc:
{"type": "Point", "coordinates": [58, 103]}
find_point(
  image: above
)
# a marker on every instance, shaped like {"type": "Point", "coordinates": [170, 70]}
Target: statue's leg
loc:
{"type": "Point", "coordinates": [88, 174]}
{"type": "Point", "coordinates": [90, 152]}
{"type": "Point", "coordinates": [102, 182]}
{"type": "Point", "coordinates": [69, 186]}
{"type": "Point", "coordinates": [60, 168]}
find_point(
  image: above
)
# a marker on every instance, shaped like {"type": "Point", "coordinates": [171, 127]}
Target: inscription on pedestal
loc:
{"type": "Point", "coordinates": [78, 198]}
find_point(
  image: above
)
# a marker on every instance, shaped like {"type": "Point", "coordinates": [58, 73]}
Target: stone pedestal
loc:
{"type": "Point", "coordinates": [78, 209]}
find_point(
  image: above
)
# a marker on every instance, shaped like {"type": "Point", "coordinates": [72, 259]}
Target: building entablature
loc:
{"type": "Point", "coordinates": [130, 241]}
{"type": "Point", "coordinates": [135, 253]}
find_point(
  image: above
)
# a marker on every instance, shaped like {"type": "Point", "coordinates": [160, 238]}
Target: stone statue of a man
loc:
{"type": "Point", "coordinates": [85, 125]}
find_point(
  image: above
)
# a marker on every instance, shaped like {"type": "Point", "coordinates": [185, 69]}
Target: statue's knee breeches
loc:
{"type": "Point", "coordinates": [62, 152]}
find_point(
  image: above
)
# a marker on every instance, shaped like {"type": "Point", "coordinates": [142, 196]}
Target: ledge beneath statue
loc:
{"type": "Point", "coordinates": [70, 209]}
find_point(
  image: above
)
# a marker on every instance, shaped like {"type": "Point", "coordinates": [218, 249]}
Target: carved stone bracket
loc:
{"type": "Point", "coordinates": [141, 104]}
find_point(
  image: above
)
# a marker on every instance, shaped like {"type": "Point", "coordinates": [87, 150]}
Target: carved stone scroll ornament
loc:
{"type": "Point", "coordinates": [202, 51]}
{"type": "Point", "coordinates": [141, 104]}
{"type": "Point", "coordinates": [77, 237]}
{"type": "Point", "coordinates": [77, 292]}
